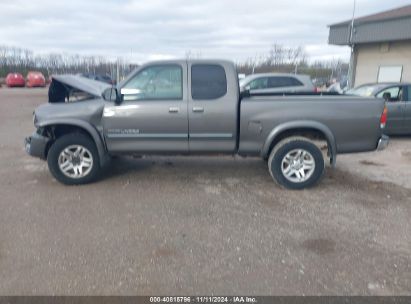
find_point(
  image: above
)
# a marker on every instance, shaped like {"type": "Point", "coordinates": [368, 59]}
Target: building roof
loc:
{"type": "Point", "coordinates": [391, 25]}
{"type": "Point", "coordinates": [403, 11]}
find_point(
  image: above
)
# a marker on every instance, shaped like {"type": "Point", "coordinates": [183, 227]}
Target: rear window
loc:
{"type": "Point", "coordinates": [208, 81]}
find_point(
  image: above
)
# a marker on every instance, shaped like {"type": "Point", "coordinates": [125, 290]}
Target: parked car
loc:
{"type": "Point", "coordinates": [35, 79]}
{"type": "Point", "coordinates": [276, 83]}
{"type": "Point", "coordinates": [15, 80]}
{"type": "Point", "coordinates": [398, 102]}
{"type": "Point", "coordinates": [99, 77]}
{"type": "Point", "coordinates": [195, 107]}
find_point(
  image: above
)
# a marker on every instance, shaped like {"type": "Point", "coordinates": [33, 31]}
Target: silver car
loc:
{"type": "Point", "coordinates": [397, 98]}
{"type": "Point", "coordinates": [276, 83]}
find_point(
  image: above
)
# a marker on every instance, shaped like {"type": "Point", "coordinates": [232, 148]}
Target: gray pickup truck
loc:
{"type": "Point", "coordinates": [191, 107]}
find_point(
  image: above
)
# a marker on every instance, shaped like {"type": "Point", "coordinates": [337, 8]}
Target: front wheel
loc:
{"type": "Point", "coordinates": [73, 159]}
{"type": "Point", "coordinates": [296, 163]}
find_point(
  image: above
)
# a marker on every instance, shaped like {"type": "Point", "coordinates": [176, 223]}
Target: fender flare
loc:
{"type": "Point", "coordinates": [101, 148]}
{"type": "Point", "coordinates": [302, 124]}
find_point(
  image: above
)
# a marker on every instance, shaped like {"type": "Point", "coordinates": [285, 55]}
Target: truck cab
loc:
{"type": "Point", "coordinates": [175, 107]}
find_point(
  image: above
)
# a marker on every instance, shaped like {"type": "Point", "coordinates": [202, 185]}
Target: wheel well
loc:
{"type": "Point", "coordinates": [310, 133]}
{"type": "Point", "coordinates": [56, 131]}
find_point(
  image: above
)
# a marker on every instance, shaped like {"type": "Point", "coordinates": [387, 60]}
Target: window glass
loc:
{"type": "Point", "coordinates": [155, 82]}
{"type": "Point", "coordinates": [391, 94]}
{"type": "Point", "coordinates": [259, 83]}
{"type": "Point", "coordinates": [208, 81]}
{"type": "Point", "coordinates": [280, 81]}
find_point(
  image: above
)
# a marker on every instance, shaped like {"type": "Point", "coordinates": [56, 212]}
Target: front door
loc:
{"type": "Point", "coordinates": [153, 115]}
{"type": "Point", "coordinates": [395, 103]}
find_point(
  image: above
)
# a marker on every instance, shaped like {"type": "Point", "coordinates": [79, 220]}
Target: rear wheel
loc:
{"type": "Point", "coordinates": [73, 159]}
{"type": "Point", "coordinates": [296, 163]}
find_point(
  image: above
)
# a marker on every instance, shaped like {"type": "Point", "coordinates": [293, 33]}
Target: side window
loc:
{"type": "Point", "coordinates": [295, 82]}
{"type": "Point", "coordinates": [155, 83]}
{"type": "Point", "coordinates": [259, 83]}
{"type": "Point", "coordinates": [281, 81]}
{"type": "Point", "coordinates": [391, 94]}
{"type": "Point", "coordinates": [208, 81]}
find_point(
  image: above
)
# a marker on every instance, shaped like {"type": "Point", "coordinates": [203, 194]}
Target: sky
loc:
{"type": "Point", "coordinates": [140, 31]}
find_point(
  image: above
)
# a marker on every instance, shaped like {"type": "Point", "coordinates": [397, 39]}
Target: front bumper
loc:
{"type": "Point", "coordinates": [383, 142]}
{"type": "Point", "coordinates": [36, 145]}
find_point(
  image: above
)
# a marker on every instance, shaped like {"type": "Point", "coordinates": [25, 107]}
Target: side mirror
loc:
{"type": "Point", "coordinates": [111, 94]}
{"type": "Point", "coordinates": [245, 93]}
{"type": "Point", "coordinates": [131, 94]}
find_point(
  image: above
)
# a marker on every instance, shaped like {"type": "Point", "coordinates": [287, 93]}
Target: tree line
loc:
{"type": "Point", "coordinates": [279, 59]}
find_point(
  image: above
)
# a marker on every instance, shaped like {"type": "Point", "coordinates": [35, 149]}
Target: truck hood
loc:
{"type": "Point", "coordinates": [63, 85]}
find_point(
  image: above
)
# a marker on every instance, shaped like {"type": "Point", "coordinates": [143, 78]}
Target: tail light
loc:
{"type": "Point", "coordinates": [383, 119]}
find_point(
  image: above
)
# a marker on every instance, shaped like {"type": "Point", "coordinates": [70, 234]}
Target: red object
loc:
{"type": "Point", "coordinates": [35, 79]}
{"type": "Point", "coordinates": [383, 119]}
{"type": "Point", "coordinates": [15, 80]}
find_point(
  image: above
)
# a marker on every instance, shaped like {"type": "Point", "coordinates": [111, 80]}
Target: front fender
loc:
{"type": "Point", "coordinates": [302, 124]}
{"type": "Point", "coordinates": [90, 129]}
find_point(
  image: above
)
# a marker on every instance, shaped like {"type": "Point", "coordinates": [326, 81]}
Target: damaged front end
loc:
{"type": "Point", "coordinates": [72, 88]}
{"type": "Point", "coordinates": [36, 144]}
{"type": "Point", "coordinates": [75, 104]}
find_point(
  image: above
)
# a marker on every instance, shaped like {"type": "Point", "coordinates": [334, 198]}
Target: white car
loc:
{"type": "Point", "coordinates": [276, 83]}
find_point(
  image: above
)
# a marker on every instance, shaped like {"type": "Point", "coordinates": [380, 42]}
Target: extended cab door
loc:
{"type": "Point", "coordinates": [153, 115]}
{"type": "Point", "coordinates": [395, 103]}
{"type": "Point", "coordinates": [212, 106]}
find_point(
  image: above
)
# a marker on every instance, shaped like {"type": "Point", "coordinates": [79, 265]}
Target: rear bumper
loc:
{"type": "Point", "coordinates": [36, 145]}
{"type": "Point", "coordinates": [383, 142]}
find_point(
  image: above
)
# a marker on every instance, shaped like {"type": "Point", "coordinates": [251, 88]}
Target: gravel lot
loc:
{"type": "Point", "coordinates": [200, 225]}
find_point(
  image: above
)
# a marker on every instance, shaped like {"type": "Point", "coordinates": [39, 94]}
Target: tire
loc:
{"type": "Point", "coordinates": [71, 152]}
{"type": "Point", "coordinates": [296, 163]}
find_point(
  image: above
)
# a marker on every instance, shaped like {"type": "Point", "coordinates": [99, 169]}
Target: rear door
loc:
{"type": "Point", "coordinates": [153, 115]}
{"type": "Point", "coordinates": [212, 107]}
{"type": "Point", "coordinates": [395, 103]}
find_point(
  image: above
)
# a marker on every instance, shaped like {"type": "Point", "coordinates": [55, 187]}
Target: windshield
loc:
{"type": "Point", "coordinates": [365, 90]}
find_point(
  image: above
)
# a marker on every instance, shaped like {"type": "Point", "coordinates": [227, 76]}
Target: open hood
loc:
{"type": "Point", "coordinates": [64, 87]}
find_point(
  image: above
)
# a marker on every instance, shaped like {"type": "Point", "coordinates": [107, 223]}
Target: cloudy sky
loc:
{"type": "Point", "coordinates": [154, 29]}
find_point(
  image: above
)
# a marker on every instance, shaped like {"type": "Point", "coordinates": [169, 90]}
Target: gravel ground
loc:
{"type": "Point", "coordinates": [200, 225]}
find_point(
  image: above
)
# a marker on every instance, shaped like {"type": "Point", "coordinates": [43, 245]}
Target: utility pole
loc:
{"type": "Point", "coordinates": [351, 63]}
{"type": "Point", "coordinates": [118, 71]}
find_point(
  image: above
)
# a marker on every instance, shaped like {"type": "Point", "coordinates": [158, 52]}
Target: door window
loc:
{"type": "Point", "coordinates": [208, 81]}
{"type": "Point", "coordinates": [408, 93]}
{"type": "Point", "coordinates": [391, 94]}
{"type": "Point", "coordinates": [160, 82]}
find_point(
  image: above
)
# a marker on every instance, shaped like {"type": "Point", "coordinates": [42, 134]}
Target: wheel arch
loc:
{"type": "Point", "coordinates": [65, 126]}
{"type": "Point", "coordinates": [310, 129]}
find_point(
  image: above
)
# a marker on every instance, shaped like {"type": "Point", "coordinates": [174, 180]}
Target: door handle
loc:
{"type": "Point", "coordinates": [173, 110]}
{"type": "Point", "coordinates": [198, 109]}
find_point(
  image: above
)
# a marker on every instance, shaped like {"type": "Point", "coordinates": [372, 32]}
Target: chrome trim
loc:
{"type": "Point", "coordinates": [149, 135]}
{"type": "Point", "coordinates": [211, 135]}
{"type": "Point", "coordinates": [383, 142]}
